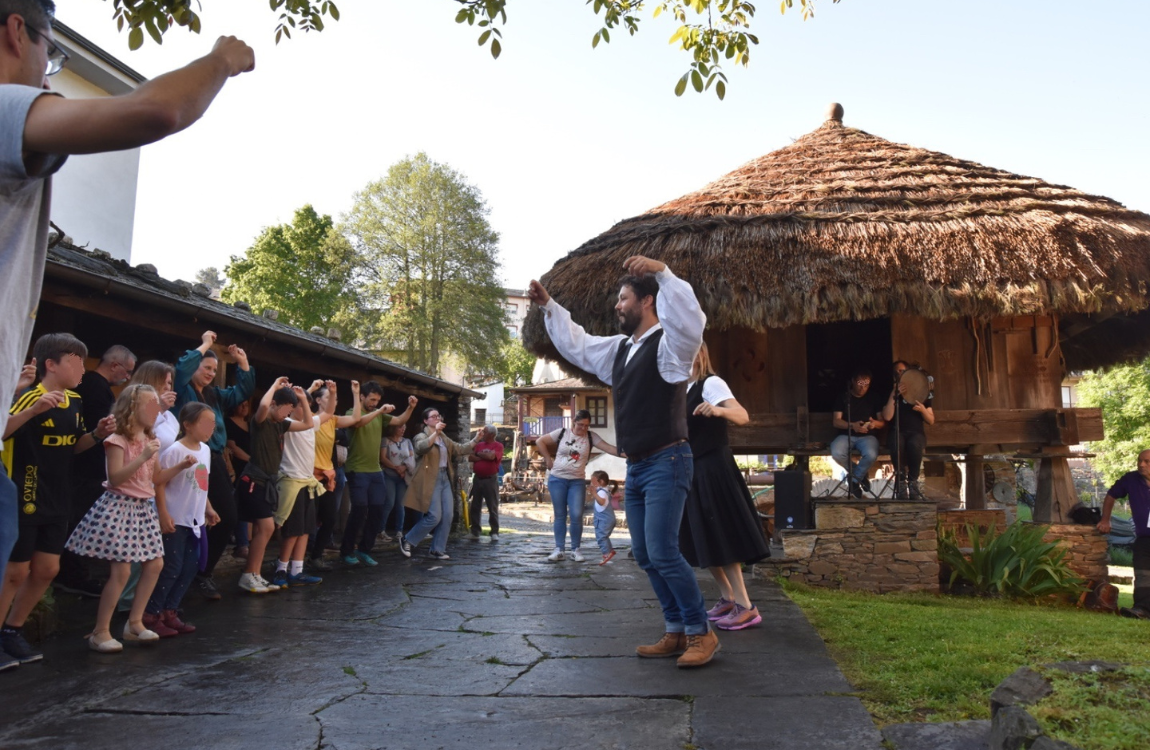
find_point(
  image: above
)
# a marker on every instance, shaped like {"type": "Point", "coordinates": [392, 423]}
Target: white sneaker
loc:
{"type": "Point", "coordinates": [495, 537]}
{"type": "Point", "coordinates": [556, 556]}
{"type": "Point", "coordinates": [266, 583]}
{"type": "Point", "coordinates": [252, 583]}
{"type": "Point", "coordinates": [475, 535]}
{"type": "Point", "coordinates": [576, 556]}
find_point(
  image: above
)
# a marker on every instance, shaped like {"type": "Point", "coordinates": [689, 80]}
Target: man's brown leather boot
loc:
{"type": "Point", "coordinates": [700, 650]}
{"type": "Point", "coordinates": [671, 644]}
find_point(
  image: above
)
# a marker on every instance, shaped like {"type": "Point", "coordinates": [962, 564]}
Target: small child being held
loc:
{"type": "Point", "coordinates": [186, 511]}
{"type": "Point", "coordinates": [604, 513]}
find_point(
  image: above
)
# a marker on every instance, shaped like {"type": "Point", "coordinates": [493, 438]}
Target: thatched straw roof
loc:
{"type": "Point", "coordinates": [843, 225]}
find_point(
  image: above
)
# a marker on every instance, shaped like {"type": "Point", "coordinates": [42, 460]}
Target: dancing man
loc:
{"type": "Point", "coordinates": [648, 368]}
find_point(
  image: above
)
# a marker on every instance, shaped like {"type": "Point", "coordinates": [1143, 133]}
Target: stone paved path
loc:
{"type": "Point", "coordinates": [496, 648]}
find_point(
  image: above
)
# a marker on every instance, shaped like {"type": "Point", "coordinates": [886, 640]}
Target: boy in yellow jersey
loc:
{"type": "Point", "coordinates": [45, 430]}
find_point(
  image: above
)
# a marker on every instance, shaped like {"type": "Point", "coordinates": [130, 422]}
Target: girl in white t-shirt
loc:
{"type": "Point", "coordinates": [186, 512]}
{"type": "Point", "coordinates": [298, 489]}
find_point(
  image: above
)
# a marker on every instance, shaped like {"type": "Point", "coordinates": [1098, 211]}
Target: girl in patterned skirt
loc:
{"type": "Point", "coordinates": [123, 526]}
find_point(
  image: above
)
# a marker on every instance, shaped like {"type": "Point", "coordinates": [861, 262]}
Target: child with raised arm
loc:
{"type": "Point", "coordinates": [323, 395]}
{"type": "Point", "coordinates": [604, 513]}
{"type": "Point", "coordinates": [298, 488]}
{"type": "Point", "coordinates": [258, 495]}
{"type": "Point", "coordinates": [186, 511]}
{"type": "Point", "coordinates": [123, 527]}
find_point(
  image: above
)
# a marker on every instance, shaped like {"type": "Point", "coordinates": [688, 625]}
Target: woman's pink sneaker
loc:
{"type": "Point", "coordinates": [721, 609]}
{"type": "Point", "coordinates": [739, 618]}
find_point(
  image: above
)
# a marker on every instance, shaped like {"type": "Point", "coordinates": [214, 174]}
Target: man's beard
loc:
{"type": "Point", "coordinates": [628, 322]}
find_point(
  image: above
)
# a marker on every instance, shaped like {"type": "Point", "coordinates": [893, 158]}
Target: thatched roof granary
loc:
{"type": "Point", "coordinates": [844, 225]}
{"type": "Point", "coordinates": [843, 247]}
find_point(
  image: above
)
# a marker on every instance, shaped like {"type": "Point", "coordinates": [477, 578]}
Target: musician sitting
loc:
{"type": "Point", "coordinates": [906, 438]}
{"type": "Point", "coordinates": [860, 407]}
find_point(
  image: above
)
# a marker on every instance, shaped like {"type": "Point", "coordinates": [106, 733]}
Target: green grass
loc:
{"type": "Point", "coordinates": [921, 657]}
{"type": "Point", "coordinates": [1102, 711]}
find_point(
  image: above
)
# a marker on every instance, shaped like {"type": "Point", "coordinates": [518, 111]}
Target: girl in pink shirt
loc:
{"type": "Point", "coordinates": [123, 526]}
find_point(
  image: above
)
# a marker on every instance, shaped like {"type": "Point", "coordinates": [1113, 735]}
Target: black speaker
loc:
{"type": "Point", "coordinates": [792, 500]}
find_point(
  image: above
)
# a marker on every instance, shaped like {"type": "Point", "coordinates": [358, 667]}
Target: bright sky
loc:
{"type": "Point", "coordinates": [564, 141]}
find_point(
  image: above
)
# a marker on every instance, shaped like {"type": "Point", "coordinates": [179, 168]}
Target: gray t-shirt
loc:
{"type": "Point", "coordinates": [25, 202]}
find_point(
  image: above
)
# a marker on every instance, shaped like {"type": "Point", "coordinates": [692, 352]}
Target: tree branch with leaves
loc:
{"type": "Point", "coordinates": [711, 32]}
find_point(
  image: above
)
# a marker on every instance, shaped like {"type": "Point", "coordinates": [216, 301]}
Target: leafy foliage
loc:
{"type": "Point", "coordinates": [157, 16]}
{"type": "Point", "coordinates": [211, 278]}
{"type": "Point", "coordinates": [1015, 563]}
{"type": "Point", "coordinates": [426, 265]}
{"type": "Point", "coordinates": [515, 365]}
{"type": "Point", "coordinates": [1123, 393]}
{"type": "Point", "coordinates": [301, 269]}
{"type": "Point", "coordinates": [710, 31]}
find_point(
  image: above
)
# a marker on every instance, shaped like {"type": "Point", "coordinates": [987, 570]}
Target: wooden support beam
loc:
{"type": "Point", "coordinates": [1010, 429]}
{"type": "Point", "coordinates": [974, 484]}
{"type": "Point", "coordinates": [270, 358]}
{"type": "Point", "coordinates": [1055, 495]}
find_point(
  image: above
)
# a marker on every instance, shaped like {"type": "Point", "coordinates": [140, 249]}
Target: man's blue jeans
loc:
{"type": "Point", "coordinates": [9, 520]}
{"type": "Point", "coordinates": [567, 496]}
{"type": "Point", "coordinates": [365, 521]}
{"type": "Point", "coordinates": [437, 517]}
{"type": "Point", "coordinates": [655, 494]}
{"type": "Point", "coordinates": [866, 445]}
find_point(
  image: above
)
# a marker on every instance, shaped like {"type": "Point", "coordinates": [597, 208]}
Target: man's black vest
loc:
{"type": "Point", "coordinates": [649, 411]}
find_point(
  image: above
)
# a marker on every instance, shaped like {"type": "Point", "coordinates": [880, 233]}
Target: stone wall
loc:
{"type": "Point", "coordinates": [861, 545]}
{"type": "Point", "coordinates": [1088, 551]}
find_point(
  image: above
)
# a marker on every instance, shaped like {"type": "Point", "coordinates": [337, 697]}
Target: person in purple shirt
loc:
{"type": "Point", "coordinates": [1136, 486]}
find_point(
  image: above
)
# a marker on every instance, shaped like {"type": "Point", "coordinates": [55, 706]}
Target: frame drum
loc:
{"type": "Point", "coordinates": [917, 384]}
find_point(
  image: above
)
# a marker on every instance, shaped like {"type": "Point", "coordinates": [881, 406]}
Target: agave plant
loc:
{"type": "Point", "coordinates": [1015, 563]}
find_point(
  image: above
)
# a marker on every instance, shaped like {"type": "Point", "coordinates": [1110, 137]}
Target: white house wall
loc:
{"type": "Point", "coordinates": [94, 195]}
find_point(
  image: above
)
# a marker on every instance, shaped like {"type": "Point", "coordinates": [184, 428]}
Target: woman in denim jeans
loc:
{"type": "Point", "coordinates": [566, 452]}
{"type": "Point", "coordinates": [398, 459]}
{"type": "Point", "coordinates": [432, 488]}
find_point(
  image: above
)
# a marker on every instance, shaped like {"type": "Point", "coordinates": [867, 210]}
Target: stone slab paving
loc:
{"type": "Point", "coordinates": [495, 648]}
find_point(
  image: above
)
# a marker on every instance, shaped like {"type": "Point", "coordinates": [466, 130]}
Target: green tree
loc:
{"type": "Point", "coordinates": [1123, 393]}
{"type": "Point", "coordinates": [517, 364]}
{"type": "Point", "coordinates": [300, 269]}
{"type": "Point", "coordinates": [211, 278]}
{"type": "Point", "coordinates": [711, 32]}
{"type": "Point", "coordinates": [427, 262]}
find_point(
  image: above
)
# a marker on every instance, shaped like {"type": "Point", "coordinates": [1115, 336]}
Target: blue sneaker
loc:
{"type": "Point", "coordinates": [303, 579]}
{"type": "Point", "coordinates": [280, 579]}
{"type": "Point", "coordinates": [350, 560]}
{"type": "Point", "coordinates": [366, 559]}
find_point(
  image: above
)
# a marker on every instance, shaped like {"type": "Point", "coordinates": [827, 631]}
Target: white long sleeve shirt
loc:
{"type": "Point", "coordinates": [680, 318]}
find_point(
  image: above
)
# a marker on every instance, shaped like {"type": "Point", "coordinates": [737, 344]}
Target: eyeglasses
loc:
{"type": "Point", "coordinates": [57, 58]}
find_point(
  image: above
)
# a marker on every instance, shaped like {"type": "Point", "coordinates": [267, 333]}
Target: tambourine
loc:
{"type": "Point", "coordinates": [919, 385]}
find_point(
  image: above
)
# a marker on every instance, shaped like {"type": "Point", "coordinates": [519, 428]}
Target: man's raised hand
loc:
{"type": "Point", "coordinates": [537, 294]}
{"type": "Point", "coordinates": [239, 57]}
{"type": "Point", "coordinates": [640, 265]}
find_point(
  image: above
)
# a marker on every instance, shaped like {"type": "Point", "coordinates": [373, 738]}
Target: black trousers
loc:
{"type": "Point", "coordinates": [906, 451]}
{"type": "Point", "coordinates": [484, 490]}
{"type": "Point", "coordinates": [222, 496]}
{"type": "Point", "coordinates": [326, 514]}
{"type": "Point", "coordinates": [1142, 572]}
